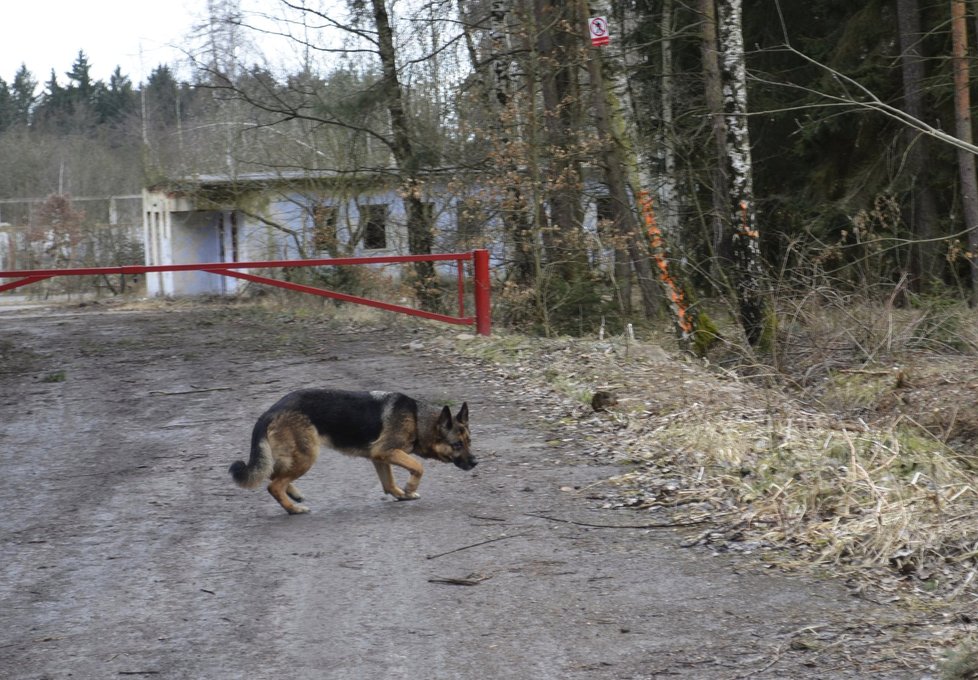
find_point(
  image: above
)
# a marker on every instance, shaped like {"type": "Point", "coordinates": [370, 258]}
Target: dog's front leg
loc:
{"type": "Point", "coordinates": [414, 467]}
{"type": "Point", "coordinates": [382, 463]}
{"type": "Point", "coordinates": [386, 476]}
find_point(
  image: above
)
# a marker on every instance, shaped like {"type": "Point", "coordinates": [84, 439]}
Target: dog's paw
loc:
{"type": "Point", "coordinates": [409, 496]}
{"type": "Point", "coordinates": [298, 510]}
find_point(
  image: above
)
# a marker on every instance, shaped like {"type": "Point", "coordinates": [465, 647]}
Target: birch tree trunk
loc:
{"type": "Point", "coordinates": [650, 111]}
{"type": "Point", "coordinates": [223, 43]}
{"type": "Point", "coordinates": [420, 232]}
{"type": "Point", "coordinates": [741, 213]}
{"type": "Point", "coordinates": [627, 183]}
{"type": "Point", "coordinates": [618, 158]}
{"type": "Point", "coordinates": [515, 209]}
{"type": "Point", "coordinates": [962, 128]}
{"type": "Point", "coordinates": [667, 185]}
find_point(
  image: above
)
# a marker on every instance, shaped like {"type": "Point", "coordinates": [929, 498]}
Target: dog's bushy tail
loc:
{"type": "Point", "coordinates": [258, 468]}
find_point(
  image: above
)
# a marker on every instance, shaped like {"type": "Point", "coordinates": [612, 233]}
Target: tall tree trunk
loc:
{"type": "Point", "coordinates": [962, 130]}
{"type": "Point", "coordinates": [668, 193]}
{"type": "Point", "coordinates": [420, 231]}
{"type": "Point", "coordinates": [515, 211]}
{"type": "Point", "coordinates": [713, 90]}
{"type": "Point", "coordinates": [921, 214]}
{"type": "Point", "coordinates": [617, 182]}
{"type": "Point", "coordinates": [557, 47]}
{"type": "Point", "coordinates": [628, 182]}
{"type": "Point", "coordinates": [649, 110]}
{"type": "Point", "coordinates": [741, 213]}
{"type": "Point", "coordinates": [499, 102]}
{"type": "Point", "coordinates": [223, 47]}
{"type": "Point", "coordinates": [614, 148]}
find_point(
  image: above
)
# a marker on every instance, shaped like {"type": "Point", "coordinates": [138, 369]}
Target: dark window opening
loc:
{"type": "Point", "coordinates": [605, 214]}
{"type": "Point", "coordinates": [374, 226]}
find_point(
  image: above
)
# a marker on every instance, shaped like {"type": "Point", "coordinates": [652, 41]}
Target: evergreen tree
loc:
{"type": "Point", "coordinates": [70, 108]}
{"type": "Point", "coordinates": [54, 107]}
{"type": "Point", "coordinates": [116, 101]}
{"type": "Point", "coordinates": [80, 85]}
{"type": "Point", "coordinates": [22, 94]}
{"type": "Point", "coordinates": [162, 94]}
{"type": "Point", "coordinates": [6, 106]}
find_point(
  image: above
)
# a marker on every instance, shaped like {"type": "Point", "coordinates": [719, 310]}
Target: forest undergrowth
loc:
{"type": "Point", "coordinates": [848, 446]}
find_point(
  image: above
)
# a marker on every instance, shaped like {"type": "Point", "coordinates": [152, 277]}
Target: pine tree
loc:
{"type": "Point", "coordinates": [116, 101]}
{"type": "Point", "coordinates": [23, 97]}
{"type": "Point", "coordinates": [6, 106]}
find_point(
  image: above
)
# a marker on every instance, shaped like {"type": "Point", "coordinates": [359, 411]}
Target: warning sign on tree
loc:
{"type": "Point", "coordinates": [598, 27]}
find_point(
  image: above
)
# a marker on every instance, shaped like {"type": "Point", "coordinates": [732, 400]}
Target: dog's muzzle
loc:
{"type": "Point", "coordinates": [465, 463]}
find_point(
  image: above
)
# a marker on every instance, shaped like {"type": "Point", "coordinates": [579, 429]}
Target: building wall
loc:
{"type": "Point", "coordinates": [268, 218]}
{"type": "Point", "coordinates": [195, 239]}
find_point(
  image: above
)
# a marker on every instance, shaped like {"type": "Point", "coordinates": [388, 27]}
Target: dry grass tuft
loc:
{"type": "Point", "coordinates": [862, 484]}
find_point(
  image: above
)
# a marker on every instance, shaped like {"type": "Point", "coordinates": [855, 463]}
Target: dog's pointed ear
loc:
{"type": "Point", "coordinates": [445, 418]}
{"type": "Point", "coordinates": [463, 413]}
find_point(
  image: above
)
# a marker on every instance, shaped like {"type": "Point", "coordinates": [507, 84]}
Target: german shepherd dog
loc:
{"type": "Point", "coordinates": [383, 427]}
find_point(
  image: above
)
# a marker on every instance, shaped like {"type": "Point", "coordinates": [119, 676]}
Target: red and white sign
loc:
{"type": "Point", "coordinates": [598, 28]}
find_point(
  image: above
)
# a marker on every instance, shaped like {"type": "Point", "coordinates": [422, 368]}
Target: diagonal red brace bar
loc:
{"type": "Point", "coordinates": [480, 259]}
{"type": "Point", "coordinates": [322, 292]}
{"type": "Point", "coordinates": [257, 264]}
{"type": "Point", "coordinates": [23, 282]}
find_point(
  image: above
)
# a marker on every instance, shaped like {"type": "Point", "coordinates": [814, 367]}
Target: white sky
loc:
{"type": "Point", "coordinates": [138, 36]}
{"type": "Point", "coordinates": [132, 34]}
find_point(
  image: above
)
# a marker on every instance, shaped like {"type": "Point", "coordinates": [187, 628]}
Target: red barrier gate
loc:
{"type": "Point", "coordinates": [479, 259]}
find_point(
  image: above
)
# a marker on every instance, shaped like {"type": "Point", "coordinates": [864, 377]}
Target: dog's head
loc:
{"type": "Point", "coordinates": [452, 443]}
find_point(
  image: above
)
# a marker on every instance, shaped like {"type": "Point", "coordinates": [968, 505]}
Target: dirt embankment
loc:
{"type": "Point", "coordinates": [128, 552]}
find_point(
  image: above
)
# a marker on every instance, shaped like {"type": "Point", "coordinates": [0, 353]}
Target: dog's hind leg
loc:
{"type": "Point", "coordinates": [278, 490]}
{"type": "Point", "coordinates": [295, 445]}
{"type": "Point", "coordinates": [294, 493]}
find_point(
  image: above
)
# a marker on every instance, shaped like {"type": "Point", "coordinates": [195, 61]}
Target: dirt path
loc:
{"type": "Point", "coordinates": [126, 550]}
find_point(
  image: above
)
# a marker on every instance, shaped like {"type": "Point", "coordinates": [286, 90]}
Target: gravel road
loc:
{"type": "Point", "coordinates": [127, 551]}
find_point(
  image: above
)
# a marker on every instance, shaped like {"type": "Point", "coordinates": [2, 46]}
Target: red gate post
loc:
{"type": "Point", "coordinates": [483, 309]}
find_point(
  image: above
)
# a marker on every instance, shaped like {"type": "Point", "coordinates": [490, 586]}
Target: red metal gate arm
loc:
{"type": "Point", "coordinates": [322, 292]}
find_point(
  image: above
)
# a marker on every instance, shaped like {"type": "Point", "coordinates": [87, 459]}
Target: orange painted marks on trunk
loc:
{"type": "Point", "coordinates": [677, 299]}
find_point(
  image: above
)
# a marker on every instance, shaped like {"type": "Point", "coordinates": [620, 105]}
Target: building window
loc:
{"type": "Point", "coordinates": [324, 218]}
{"type": "Point", "coordinates": [374, 221]}
{"type": "Point", "coordinates": [605, 208]}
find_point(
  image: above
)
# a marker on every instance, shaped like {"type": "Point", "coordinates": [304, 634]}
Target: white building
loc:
{"type": "Point", "coordinates": [265, 216]}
